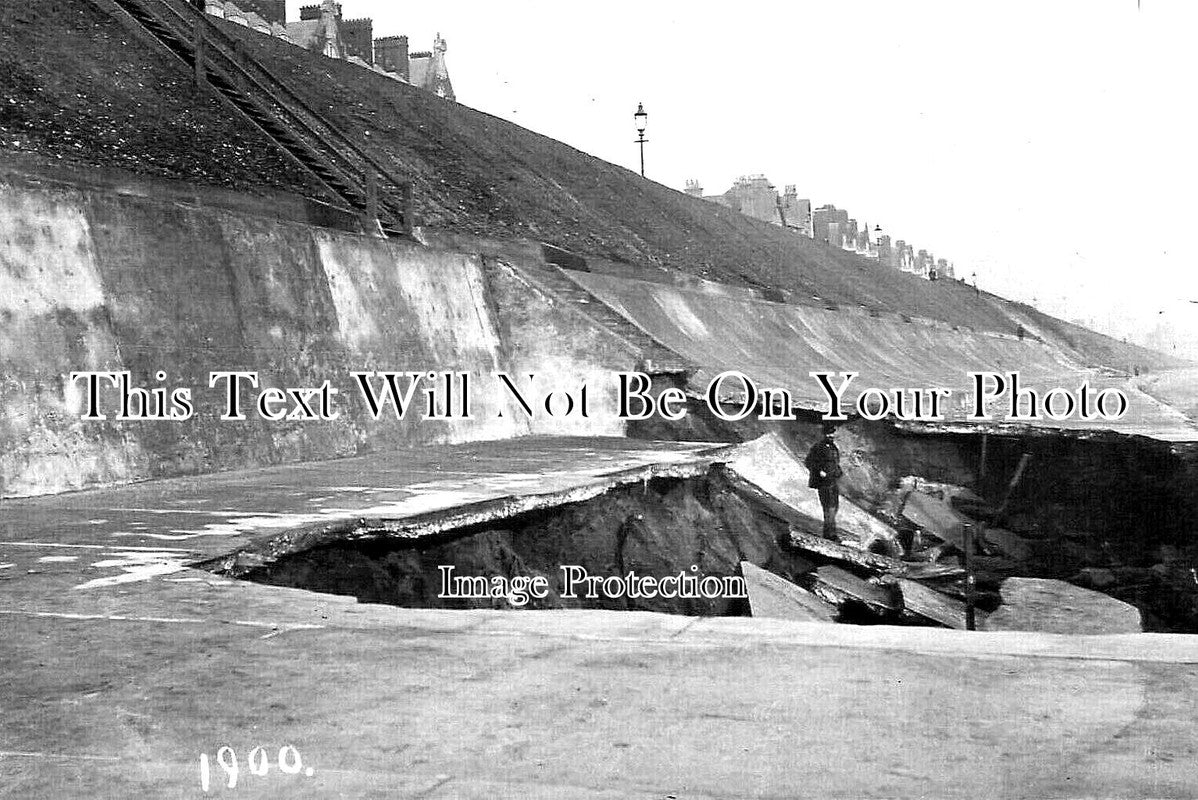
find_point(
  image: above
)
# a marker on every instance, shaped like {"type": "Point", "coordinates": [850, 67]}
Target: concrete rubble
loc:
{"type": "Point", "coordinates": [777, 598]}
{"type": "Point", "coordinates": [1051, 606]}
{"type": "Point", "coordinates": [841, 587]}
{"type": "Point", "coordinates": [927, 587]}
{"type": "Point", "coordinates": [927, 603]}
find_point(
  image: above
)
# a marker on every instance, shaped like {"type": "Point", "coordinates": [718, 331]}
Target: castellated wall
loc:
{"type": "Point", "coordinates": [391, 54]}
{"type": "Point", "coordinates": [358, 36]}
{"type": "Point", "coordinates": [109, 278]}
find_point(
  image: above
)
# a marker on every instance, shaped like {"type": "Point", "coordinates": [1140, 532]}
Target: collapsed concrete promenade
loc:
{"type": "Point", "coordinates": [114, 689]}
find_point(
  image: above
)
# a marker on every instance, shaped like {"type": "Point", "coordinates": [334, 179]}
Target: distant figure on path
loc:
{"type": "Point", "coordinates": [823, 466]}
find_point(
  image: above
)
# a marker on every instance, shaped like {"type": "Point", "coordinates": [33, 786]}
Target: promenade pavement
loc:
{"type": "Point", "coordinates": [116, 677]}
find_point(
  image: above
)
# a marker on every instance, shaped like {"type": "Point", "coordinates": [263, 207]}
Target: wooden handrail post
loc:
{"type": "Point", "coordinates": [406, 195]}
{"type": "Point", "coordinates": [198, 43]}
{"type": "Point", "coordinates": [372, 194]}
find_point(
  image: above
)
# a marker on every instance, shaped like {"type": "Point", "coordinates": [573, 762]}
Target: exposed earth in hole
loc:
{"type": "Point", "coordinates": [660, 528]}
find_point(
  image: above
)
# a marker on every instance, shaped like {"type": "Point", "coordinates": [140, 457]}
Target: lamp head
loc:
{"type": "Point", "coordinates": [641, 117]}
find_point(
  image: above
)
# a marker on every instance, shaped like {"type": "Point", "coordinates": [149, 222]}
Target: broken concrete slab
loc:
{"type": "Point", "coordinates": [933, 605]}
{"type": "Point", "coordinates": [948, 492]}
{"type": "Point", "coordinates": [839, 586]}
{"type": "Point", "coordinates": [771, 465]}
{"type": "Point", "coordinates": [839, 552]}
{"type": "Point", "coordinates": [993, 570]}
{"type": "Point", "coordinates": [935, 516]}
{"type": "Point", "coordinates": [973, 506]}
{"type": "Point", "coordinates": [930, 571]}
{"type": "Point", "coordinates": [1009, 544]}
{"type": "Point", "coordinates": [775, 597]}
{"type": "Point", "coordinates": [1051, 606]}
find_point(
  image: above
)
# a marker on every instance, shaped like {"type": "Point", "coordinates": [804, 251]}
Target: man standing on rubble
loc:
{"type": "Point", "coordinates": [823, 467]}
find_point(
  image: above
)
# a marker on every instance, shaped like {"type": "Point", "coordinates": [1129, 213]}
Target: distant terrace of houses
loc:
{"type": "Point", "coordinates": [755, 196]}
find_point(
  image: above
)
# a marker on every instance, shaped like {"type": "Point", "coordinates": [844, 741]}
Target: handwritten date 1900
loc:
{"type": "Point", "coordinates": [257, 764]}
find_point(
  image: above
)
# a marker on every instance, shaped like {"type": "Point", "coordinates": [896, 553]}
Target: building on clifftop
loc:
{"type": "Point", "coordinates": [357, 38]}
{"type": "Point", "coordinates": [318, 29]}
{"type": "Point", "coordinates": [796, 210]}
{"type": "Point", "coordinates": [823, 218]}
{"type": "Point", "coordinates": [391, 55]}
{"type": "Point", "coordinates": [754, 196]}
{"type": "Point", "coordinates": [426, 70]}
{"type": "Point", "coordinates": [322, 29]}
{"type": "Point", "coordinates": [887, 254]}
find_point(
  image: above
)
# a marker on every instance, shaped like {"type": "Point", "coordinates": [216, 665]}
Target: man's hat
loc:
{"type": "Point", "coordinates": [829, 428]}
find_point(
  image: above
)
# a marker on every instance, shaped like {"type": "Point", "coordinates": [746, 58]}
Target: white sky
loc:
{"type": "Point", "coordinates": [1048, 146]}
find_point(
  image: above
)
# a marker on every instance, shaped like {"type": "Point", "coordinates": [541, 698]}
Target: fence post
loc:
{"type": "Point", "coordinates": [372, 195]}
{"type": "Point", "coordinates": [406, 194]}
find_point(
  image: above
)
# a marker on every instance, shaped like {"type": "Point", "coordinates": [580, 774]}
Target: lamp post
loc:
{"type": "Point", "coordinates": [642, 121]}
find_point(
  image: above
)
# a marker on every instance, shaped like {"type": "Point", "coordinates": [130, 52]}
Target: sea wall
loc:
{"type": "Point", "coordinates": [134, 276]}
{"type": "Point", "coordinates": [780, 344]}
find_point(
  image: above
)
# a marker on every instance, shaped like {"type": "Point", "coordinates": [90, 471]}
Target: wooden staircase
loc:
{"type": "Point", "coordinates": [355, 178]}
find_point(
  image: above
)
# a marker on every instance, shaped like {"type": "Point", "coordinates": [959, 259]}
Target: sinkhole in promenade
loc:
{"type": "Point", "coordinates": [1115, 515]}
{"type": "Point", "coordinates": [688, 535]}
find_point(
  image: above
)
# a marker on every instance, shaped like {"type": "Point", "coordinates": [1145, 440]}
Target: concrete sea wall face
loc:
{"type": "Point", "coordinates": [562, 351]}
{"type": "Point", "coordinates": [98, 279]}
{"type": "Point", "coordinates": [54, 320]}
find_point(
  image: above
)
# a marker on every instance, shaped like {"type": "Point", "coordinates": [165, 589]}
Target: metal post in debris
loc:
{"type": "Point", "coordinates": [970, 538]}
{"type": "Point", "coordinates": [970, 579]}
